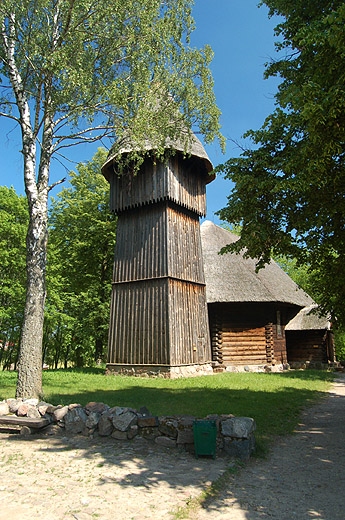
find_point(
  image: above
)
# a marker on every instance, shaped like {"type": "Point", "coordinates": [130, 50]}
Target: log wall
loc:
{"type": "Point", "coordinates": [308, 345]}
{"type": "Point", "coordinates": [242, 345]}
{"type": "Point", "coordinates": [246, 333]}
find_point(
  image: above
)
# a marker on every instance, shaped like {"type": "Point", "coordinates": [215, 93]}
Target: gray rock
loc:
{"type": "Point", "coordinates": [123, 421]}
{"type": "Point", "coordinates": [118, 435]}
{"type": "Point", "coordinates": [144, 412]}
{"type": "Point", "coordinates": [185, 436]}
{"type": "Point", "coordinates": [238, 427]}
{"type": "Point", "coordinates": [105, 426]}
{"type": "Point", "coordinates": [92, 420]}
{"type": "Point", "coordinates": [31, 402]}
{"type": "Point", "coordinates": [33, 412]}
{"type": "Point", "coordinates": [168, 426]}
{"type": "Point", "coordinates": [14, 404]}
{"type": "Point", "coordinates": [43, 407]}
{"type": "Point", "coordinates": [96, 407]}
{"type": "Point", "coordinates": [75, 420]}
{"type": "Point", "coordinates": [133, 431]}
{"type": "Point", "coordinates": [241, 449]}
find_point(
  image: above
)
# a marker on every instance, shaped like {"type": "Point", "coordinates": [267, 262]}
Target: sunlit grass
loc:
{"type": "Point", "coordinates": [273, 400]}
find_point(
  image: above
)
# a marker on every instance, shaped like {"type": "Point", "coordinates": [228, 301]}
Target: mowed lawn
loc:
{"type": "Point", "coordinates": [273, 400]}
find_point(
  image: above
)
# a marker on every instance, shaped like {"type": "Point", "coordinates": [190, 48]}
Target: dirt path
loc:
{"type": "Point", "coordinates": [304, 476]}
{"type": "Point", "coordinates": [58, 478]}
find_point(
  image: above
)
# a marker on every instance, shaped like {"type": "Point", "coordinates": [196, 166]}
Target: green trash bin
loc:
{"type": "Point", "coordinates": [205, 437]}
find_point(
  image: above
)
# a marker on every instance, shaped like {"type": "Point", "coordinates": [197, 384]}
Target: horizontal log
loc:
{"type": "Point", "coordinates": [31, 422]}
{"type": "Point", "coordinates": [244, 346]}
{"type": "Point", "coordinates": [241, 332]}
{"type": "Point", "coordinates": [244, 361]}
{"type": "Point", "coordinates": [244, 339]}
{"type": "Point", "coordinates": [246, 356]}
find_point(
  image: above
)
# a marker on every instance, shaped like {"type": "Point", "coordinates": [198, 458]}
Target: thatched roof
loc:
{"type": "Point", "coordinates": [309, 319]}
{"type": "Point", "coordinates": [232, 278]}
{"type": "Point", "coordinates": [194, 149]}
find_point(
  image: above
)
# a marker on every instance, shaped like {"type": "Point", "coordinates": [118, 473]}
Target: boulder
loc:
{"type": "Point", "coordinates": [105, 425]}
{"type": "Point", "coordinates": [167, 442]}
{"type": "Point", "coordinates": [123, 421]}
{"type": "Point", "coordinates": [75, 420]}
{"type": "Point", "coordinates": [59, 413]}
{"type": "Point", "coordinates": [238, 427]}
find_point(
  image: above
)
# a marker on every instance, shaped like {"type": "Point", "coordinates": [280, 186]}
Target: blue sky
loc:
{"type": "Point", "coordinates": [242, 38]}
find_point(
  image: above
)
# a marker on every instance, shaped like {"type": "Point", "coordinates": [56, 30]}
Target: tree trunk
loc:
{"type": "Point", "coordinates": [29, 383]}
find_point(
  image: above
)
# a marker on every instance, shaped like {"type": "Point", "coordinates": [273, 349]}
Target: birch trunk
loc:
{"type": "Point", "coordinates": [29, 383]}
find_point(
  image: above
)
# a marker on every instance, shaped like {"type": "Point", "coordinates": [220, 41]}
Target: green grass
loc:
{"type": "Point", "coordinates": [273, 400]}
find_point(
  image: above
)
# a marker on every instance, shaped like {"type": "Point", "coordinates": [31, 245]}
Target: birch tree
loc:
{"type": "Point", "coordinates": [77, 71]}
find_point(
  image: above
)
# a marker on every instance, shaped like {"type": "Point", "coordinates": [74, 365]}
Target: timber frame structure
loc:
{"type": "Point", "coordinates": [248, 310]}
{"type": "Point", "coordinates": [158, 317]}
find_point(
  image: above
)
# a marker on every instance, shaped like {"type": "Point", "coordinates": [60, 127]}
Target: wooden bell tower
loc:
{"type": "Point", "coordinates": [158, 317]}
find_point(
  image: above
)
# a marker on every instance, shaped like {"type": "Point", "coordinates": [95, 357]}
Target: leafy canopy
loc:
{"type": "Point", "coordinates": [97, 69]}
{"type": "Point", "coordinates": [13, 225]}
{"type": "Point", "coordinates": [80, 262]}
{"type": "Point", "coordinates": [289, 193]}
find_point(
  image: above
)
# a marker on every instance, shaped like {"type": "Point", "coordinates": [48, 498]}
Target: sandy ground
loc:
{"type": "Point", "coordinates": [57, 477]}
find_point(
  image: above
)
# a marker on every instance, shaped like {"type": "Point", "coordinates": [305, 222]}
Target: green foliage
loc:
{"type": "Point", "coordinates": [96, 62]}
{"type": "Point", "coordinates": [13, 226]}
{"type": "Point", "coordinates": [289, 193]}
{"type": "Point", "coordinates": [82, 240]}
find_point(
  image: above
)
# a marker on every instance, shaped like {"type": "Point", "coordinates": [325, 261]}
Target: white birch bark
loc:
{"type": "Point", "coordinates": [29, 382]}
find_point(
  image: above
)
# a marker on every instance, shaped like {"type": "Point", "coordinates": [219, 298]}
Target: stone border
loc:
{"type": "Point", "coordinates": [234, 435]}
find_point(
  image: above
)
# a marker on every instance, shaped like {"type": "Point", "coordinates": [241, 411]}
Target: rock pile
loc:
{"type": "Point", "coordinates": [234, 437]}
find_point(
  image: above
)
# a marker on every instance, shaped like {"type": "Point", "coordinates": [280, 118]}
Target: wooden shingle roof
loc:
{"type": "Point", "coordinates": [232, 278]}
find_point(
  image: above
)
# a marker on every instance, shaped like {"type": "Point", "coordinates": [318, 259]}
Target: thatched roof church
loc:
{"type": "Point", "coordinates": [248, 310]}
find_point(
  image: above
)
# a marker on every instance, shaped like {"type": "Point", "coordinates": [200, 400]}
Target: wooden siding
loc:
{"type": "Point", "coordinates": [158, 241]}
{"type": "Point", "coordinates": [139, 324]}
{"type": "Point", "coordinates": [178, 180]}
{"type": "Point", "coordinates": [158, 310]}
{"type": "Point", "coordinates": [158, 322]}
{"type": "Point", "coordinates": [189, 333]}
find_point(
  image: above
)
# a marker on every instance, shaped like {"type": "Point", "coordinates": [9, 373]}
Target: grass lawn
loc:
{"type": "Point", "coordinates": [273, 400]}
